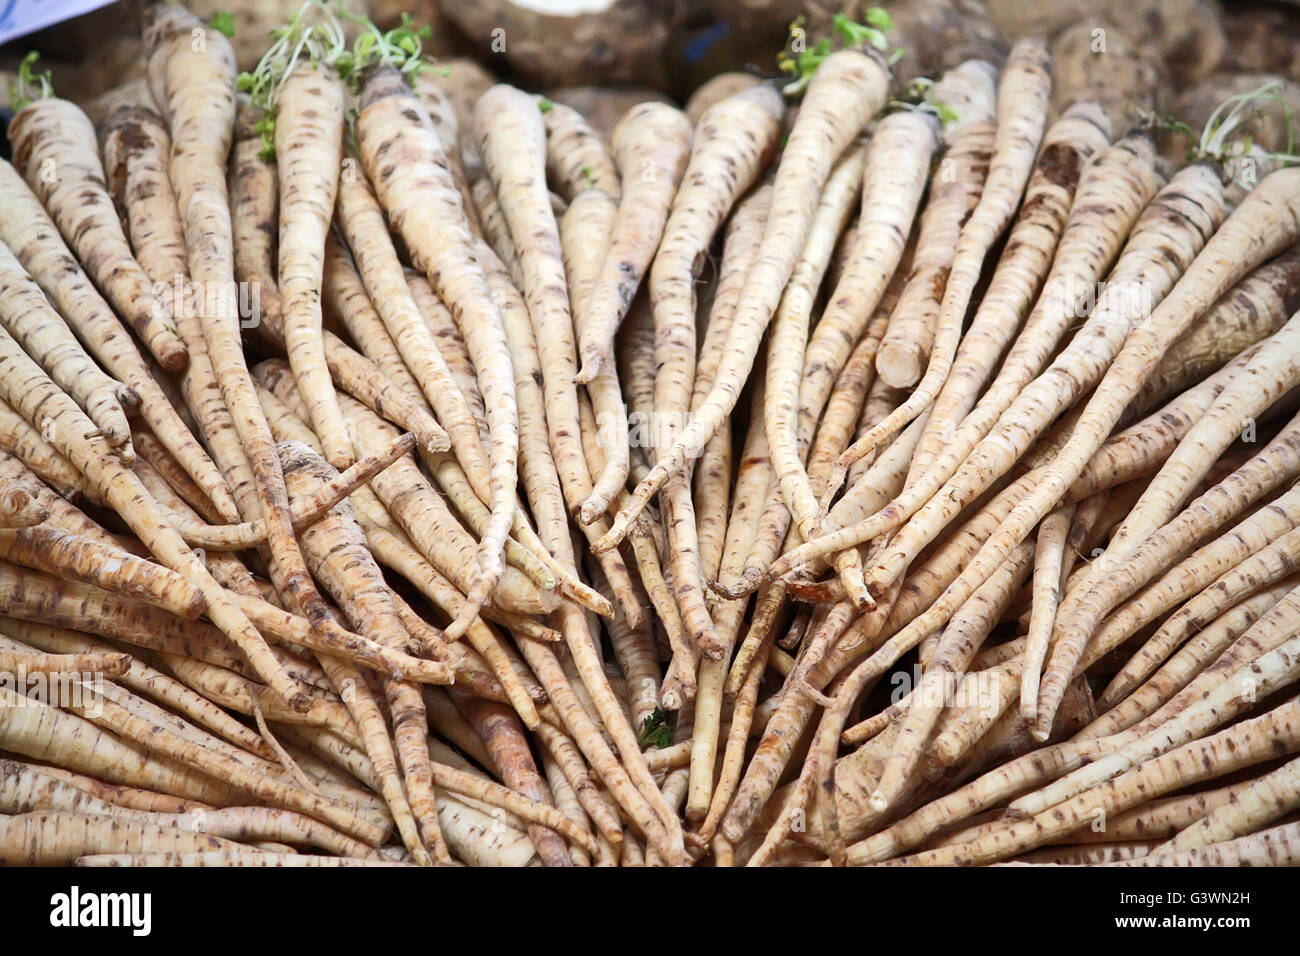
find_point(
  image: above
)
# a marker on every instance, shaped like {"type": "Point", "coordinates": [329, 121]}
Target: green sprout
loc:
{"type": "Point", "coordinates": [803, 63]}
{"type": "Point", "coordinates": [917, 95]}
{"type": "Point", "coordinates": [945, 112]}
{"type": "Point", "coordinates": [400, 47]}
{"type": "Point", "coordinates": [656, 730]}
{"type": "Point", "coordinates": [223, 21]}
{"type": "Point", "coordinates": [1168, 123]}
{"type": "Point", "coordinates": [1229, 116]}
{"type": "Point", "coordinates": [318, 37]}
{"type": "Point", "coordinates": [30, 85]}
{"type": "Point", "coordinates": [544, 104]}
{"type": "Point", "coordinates": [879, 18]}
{"type": "Point", "coordinates": [861, 34]}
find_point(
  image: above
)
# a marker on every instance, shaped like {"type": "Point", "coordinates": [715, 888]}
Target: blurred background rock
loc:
{"type": "Point", "coordinates": [1179, 56]}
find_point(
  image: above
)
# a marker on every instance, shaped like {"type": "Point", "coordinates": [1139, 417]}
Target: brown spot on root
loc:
{"type": "Point", "coordinates": [381, 82]}
{"type": "Point", "coordinates": [938, 283]}
{"type": "Point", "coordinates": [1059, 163]}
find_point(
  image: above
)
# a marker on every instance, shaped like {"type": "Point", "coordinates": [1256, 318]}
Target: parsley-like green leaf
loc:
{"type": "Point", "coordinates": [656, 730]}
{"type": "Point", "coordinates": [946, 113]}
{"type": "Point", "coordinates": [879, 18]}
{"type": "Point", "coordinates": [223, 21]}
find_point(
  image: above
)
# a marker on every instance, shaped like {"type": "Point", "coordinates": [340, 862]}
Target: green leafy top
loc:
{"type": "Point", "coordinates": [945, 112]}
{"type": "Point", "coordinates": [656, 730]}
{"type": "Point", "coordinates": [30, 86]}
{"type": "Point", "coordinates": [1215, 142]}
{"type": "Point", "coordinates": [1156, 122]}
{"type": "Point", "coordinates": [544, 104]}
{"type": "Point", "coordinates": [313, 32]}
{"type": "Point", "coordinates": [223, 21]}
{"type": "Point", "coordinates": [802, 63]}
{"type": "Point", "coordinates": [399, 47]}
{"type": "Point", "coordinates": [871, 33]}
{"type": "Point", "coordinates": [799, 61]}
{"type": "Point", "coordinates": [916, 95]}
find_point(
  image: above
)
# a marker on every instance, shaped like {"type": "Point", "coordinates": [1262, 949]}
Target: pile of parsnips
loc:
{"type": "Point", "coordinates": [908, 478]}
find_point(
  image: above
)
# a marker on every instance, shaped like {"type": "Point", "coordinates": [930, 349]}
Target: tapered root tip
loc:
{"type": "Point", "coordinates": [856, 588]}
{"type": "Point", "coordinates": [129, 398]}
{"type": "Point", "coordinates": [815, 695]}
{"type": "Point", "coordinates": [864, 601]}
{"type": "Point", "coordinates": [834, 481]}
{"type": "Point", "coordinates": [591, 361]}
{"type": "Point", "coordinates": [634, 616]}
{"type": "Point", "coordinates": [606, 542]}
{"type": "Point", "coordinates": [467, 616]}
{"type": "Point", "coordinates": [195, 607]}
{"type": "Point", "coordinates": [1042, 727]}
{"type": "Point", "coordinates": [591, 510]}
{"type": "Point", "coordinates": [1113, 695]}
{"type": "Point", "coordinates": [593, 601]}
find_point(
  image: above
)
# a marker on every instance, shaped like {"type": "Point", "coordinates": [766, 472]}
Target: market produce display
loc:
{"type": "Point", "coordinates": [888, 456]}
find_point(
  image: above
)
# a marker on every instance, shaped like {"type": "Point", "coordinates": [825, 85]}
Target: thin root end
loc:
{"type": "Point", "coordinates": [467, 616]}
{"type": "Point", "coordinates": [590, 368]}
{"type": "Point", "coordinates": [591, 511]}
{"type": "Point", "coordinates": [606, 542]}
{"type": "Point", "coordinates": [816, 695]}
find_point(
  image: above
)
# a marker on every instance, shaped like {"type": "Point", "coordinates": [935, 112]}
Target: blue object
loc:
{"type": "Point", "coordinates": [697, 48]}
{"type": "Point", "coordinates": [21, 17]}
